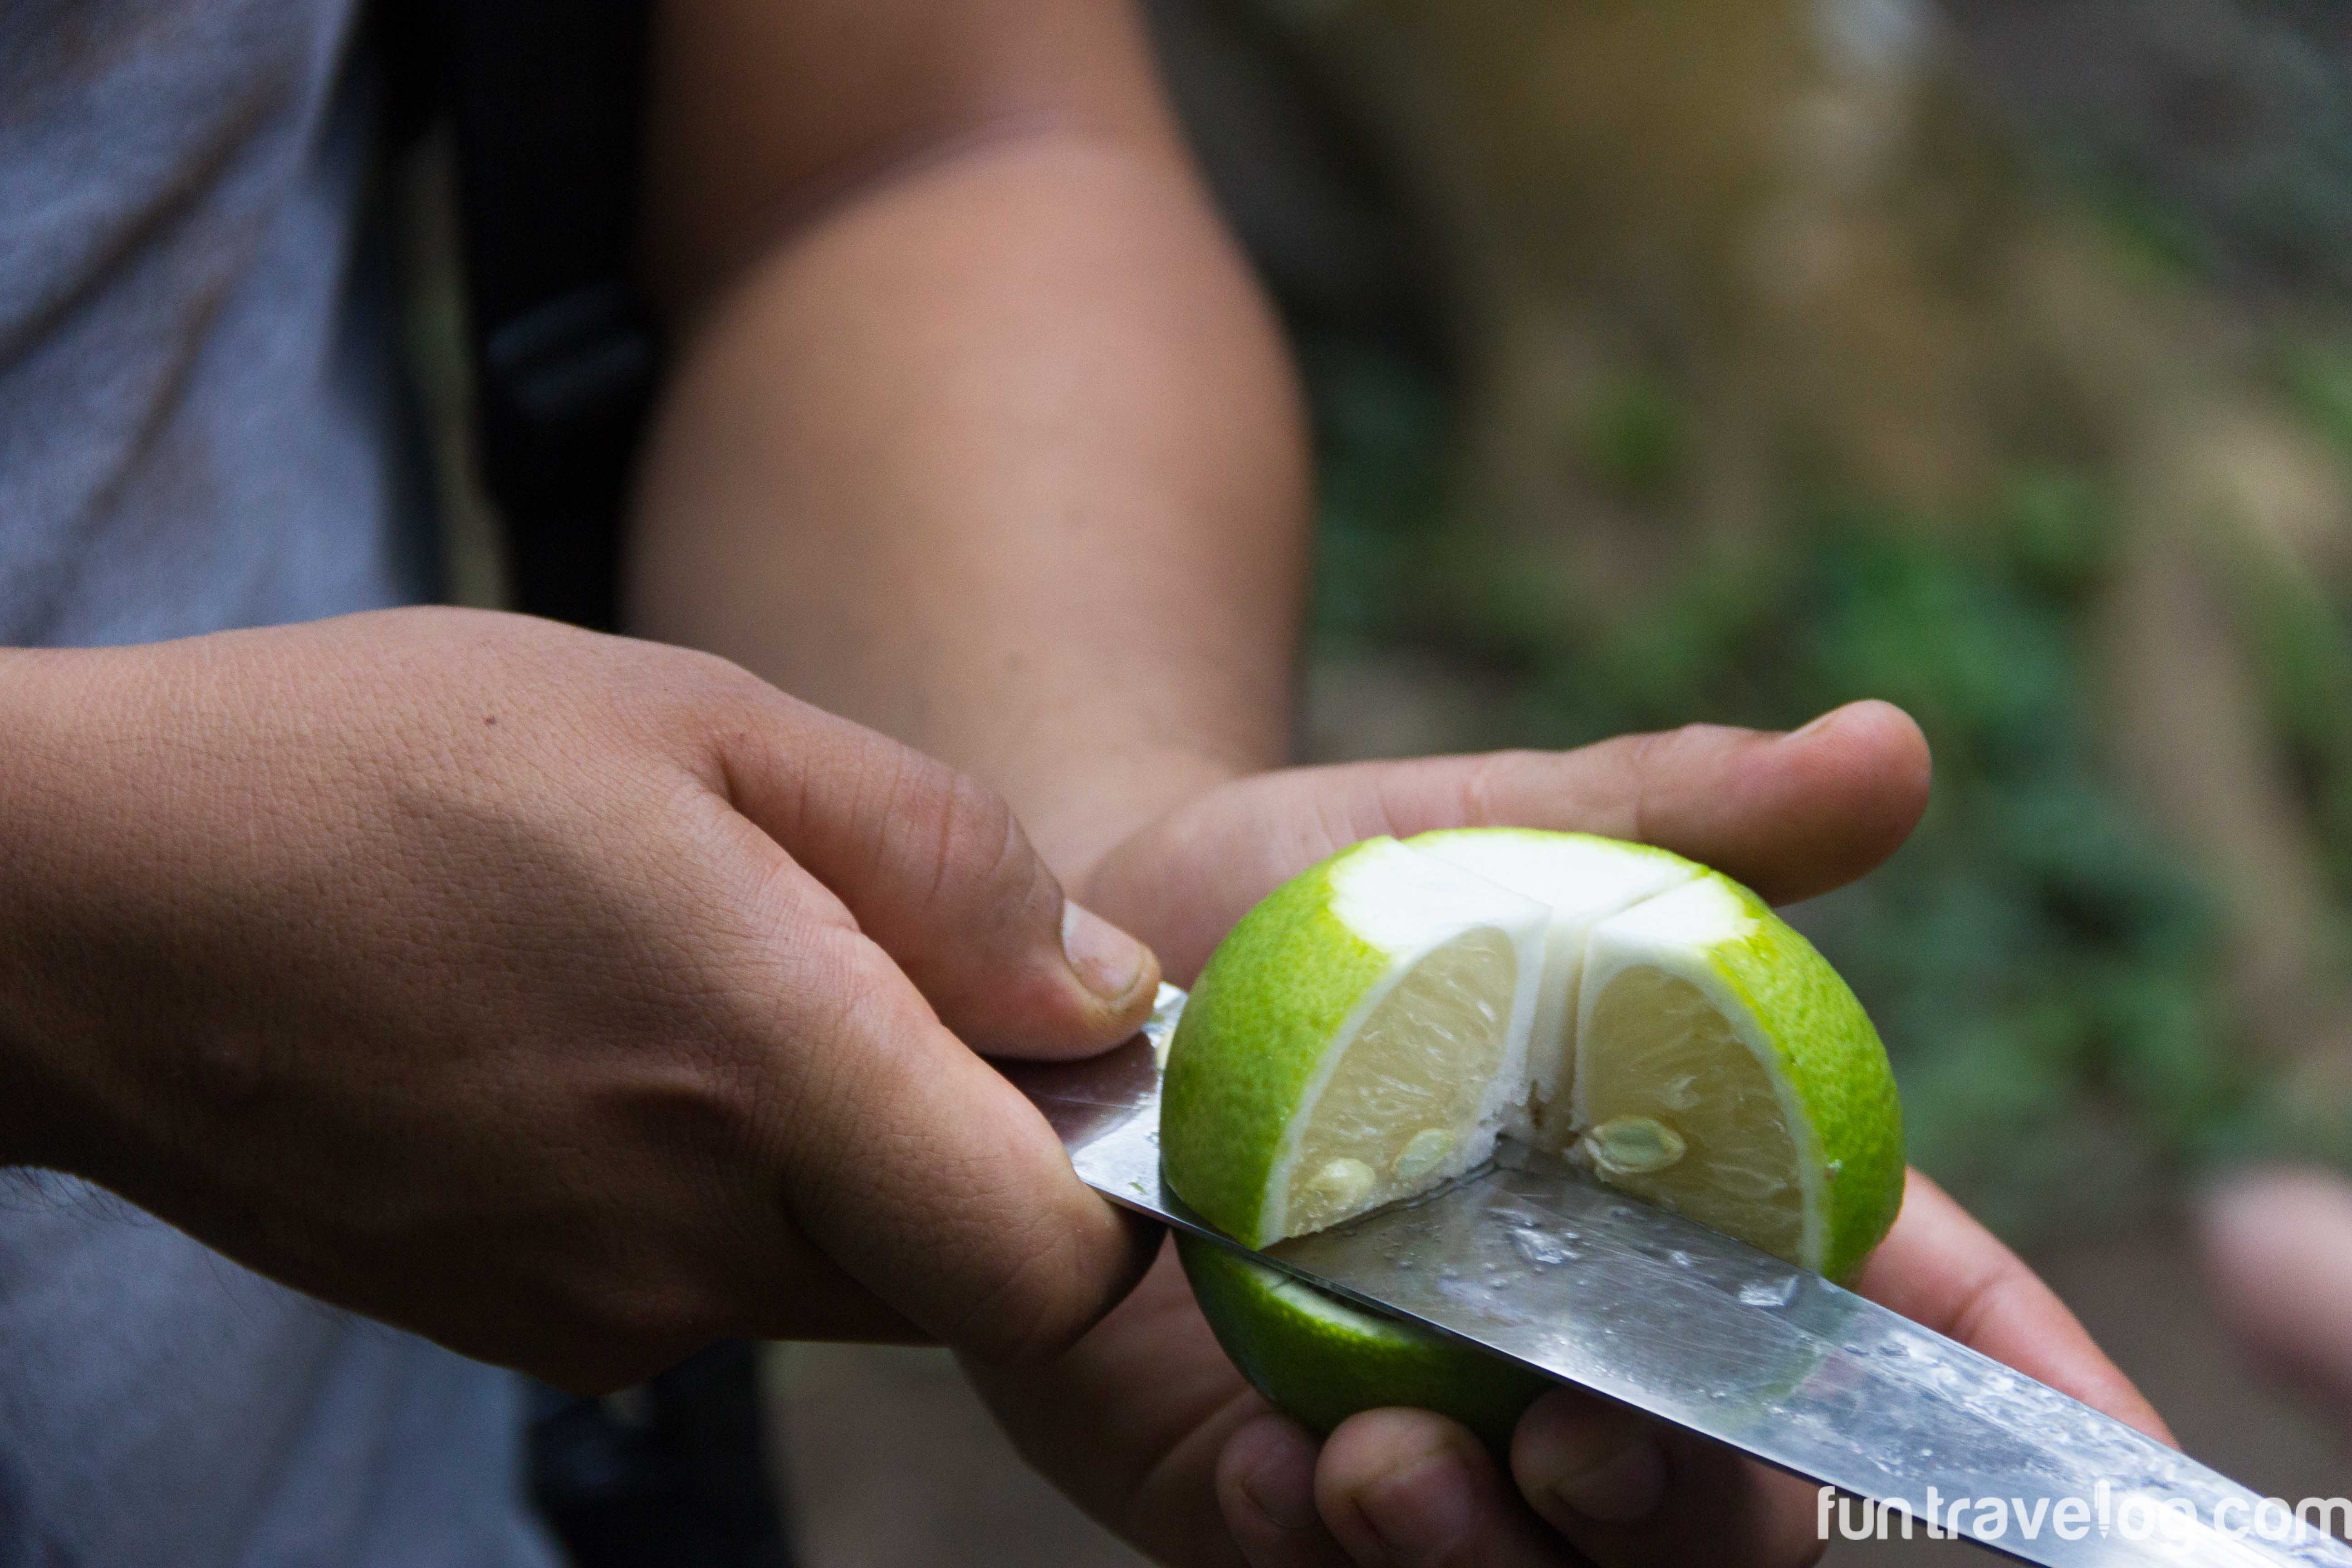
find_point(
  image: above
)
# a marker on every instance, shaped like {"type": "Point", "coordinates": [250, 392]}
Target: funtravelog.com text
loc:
{"type": "Point", "coordinates": [2133, 1515]}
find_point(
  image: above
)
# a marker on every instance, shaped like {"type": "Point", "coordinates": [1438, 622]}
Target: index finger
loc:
{"type": "Point", "coordinates": [1941, 1269]}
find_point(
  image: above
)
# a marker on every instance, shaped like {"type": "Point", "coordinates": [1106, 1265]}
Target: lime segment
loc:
{"type": "Point", "coordinates": [1402, 1106]}
{"type": "Point", "coordinates": [1726, 1158]}
{"type": "Point", "coordinates": [1709, 1022]}
{"type": "Point", "coordinates": [1351, 1042]}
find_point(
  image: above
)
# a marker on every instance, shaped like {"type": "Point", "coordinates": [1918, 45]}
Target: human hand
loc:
{"type": "Point", "coordinates": [1145, 1424]}
{"type": "Point", "coordinates": [2277, 1254]}
{"type": "Point", "coordinates": [570, 999]}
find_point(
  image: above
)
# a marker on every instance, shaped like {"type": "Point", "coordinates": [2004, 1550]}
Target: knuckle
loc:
{"type": "Point", "coordinates": [1486, 788]}
{"type": "Point", "coordinates": [1648, 760]}
{"type": "Point", "coordinates": [1028, 1313]}
{"type": "Point", "coordinates": [981, 861]}
{"type": "Point", "coordinates": [714, 675]}
{"type": "Point", "coordinates": [975, 825]}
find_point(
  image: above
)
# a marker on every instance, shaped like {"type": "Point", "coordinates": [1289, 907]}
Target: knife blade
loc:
{"type": "Point", "coordinates": [1532, 1260]}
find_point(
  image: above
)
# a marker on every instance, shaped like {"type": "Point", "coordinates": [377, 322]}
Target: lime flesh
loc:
{"type": "Point", "coordinates": [1722, 1155]}
{"type": "Point", "coordinates": [1709, 1015]}
{"type": "Point", "coordinates": [1350, 1043]}
{"type": "Point", "coordinates": [1408, 1091]}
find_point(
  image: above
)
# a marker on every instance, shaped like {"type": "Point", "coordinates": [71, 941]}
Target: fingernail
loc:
{"type": "Point", "coordinates": [1107, 961]}
{"type": "Point", "coordinates": [1617, 1487]}
{"type": "Point", "coordinates": [1821, 724]}
{"type": "Point", "coordinates": [1423, 1510]}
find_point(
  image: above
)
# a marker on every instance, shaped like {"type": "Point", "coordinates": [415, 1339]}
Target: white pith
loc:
{"type": "Point", "coordinates": [1325, 1307]}
{"type": "Point", "coordinates": [1579, 912]}
{"type": "Point", "coordinates": [1599, 878]}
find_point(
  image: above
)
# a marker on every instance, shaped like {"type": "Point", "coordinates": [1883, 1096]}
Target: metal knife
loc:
{"type": "Point", "coordinates": [1532, 1260]}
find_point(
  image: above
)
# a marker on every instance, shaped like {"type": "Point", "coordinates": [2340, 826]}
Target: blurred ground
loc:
{"type": "Point", "coordinates": [889, 1460]}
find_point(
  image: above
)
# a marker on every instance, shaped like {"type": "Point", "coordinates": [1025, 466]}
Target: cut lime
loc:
{"type": "Point", "coordinates": [1364, 1035]}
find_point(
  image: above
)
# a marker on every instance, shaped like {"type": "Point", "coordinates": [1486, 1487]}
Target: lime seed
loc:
{"type": "Point", "coordinates": [1634, 1146]}
{"type": "Point", "coordinates": [1340, 1186]}
{"type": "Point", "coordinates": [1425, 1153]}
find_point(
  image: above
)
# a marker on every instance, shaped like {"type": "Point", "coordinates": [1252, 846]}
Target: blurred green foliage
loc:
{"type": "Point", "coordinates": [2303, 636]}
{"type": "Point", "coordinates": [2047, 978]}
{"type": "Point", "coordinates": [1635, 442]}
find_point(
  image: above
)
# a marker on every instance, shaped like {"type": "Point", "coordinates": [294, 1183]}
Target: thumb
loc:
{"type": "Point", "coordinates": [914, 1167]}
{"type": "Point", "coordinates": [940, 876]}
{"type": "Point", "coordinates": [1790, 815]}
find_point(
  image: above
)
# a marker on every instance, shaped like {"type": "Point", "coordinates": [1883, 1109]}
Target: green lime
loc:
{"type": "Point", "coordinates": [1368, 1031]}
{"type": "Point", "coordinates": [1323, 1360]}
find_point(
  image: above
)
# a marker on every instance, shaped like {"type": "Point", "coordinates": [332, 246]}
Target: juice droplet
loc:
{"type": "Point", "coordinates": [1770, 1292]}
{"type": "Point", "coordinates": [1539, 1250]}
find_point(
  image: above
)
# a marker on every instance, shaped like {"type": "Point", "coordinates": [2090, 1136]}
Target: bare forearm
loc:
{"type": "Point", "coordinates": [1004, 458]}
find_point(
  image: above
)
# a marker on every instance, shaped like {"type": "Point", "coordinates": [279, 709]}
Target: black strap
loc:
{"type": "Point", "coordinates": [548, 102]}
{"type": "Point", "coordinates": [677, 1478]}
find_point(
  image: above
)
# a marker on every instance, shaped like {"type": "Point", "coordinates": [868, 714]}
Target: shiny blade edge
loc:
{"type": "Point", "coordinates": [1532, 1260]}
